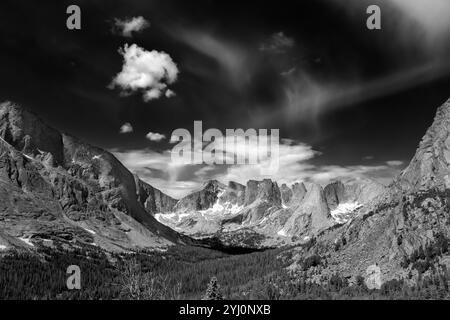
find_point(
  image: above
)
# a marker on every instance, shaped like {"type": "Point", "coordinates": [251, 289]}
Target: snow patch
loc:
{"type": "Point", "coordinates": [27, 241]}
{"type": "Point", "coordinates": [89, 230]}
{"type": "Point", "coordinates": [343, 211]}
{"type": "Point", "coordinates": [282, 233]}
{"type": "Point", "coordinates": [96, 157]}
{"type": "Point", "coordinates": [3, 247]}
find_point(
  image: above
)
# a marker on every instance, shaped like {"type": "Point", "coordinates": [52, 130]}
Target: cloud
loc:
{"type": "Point", "coordinates": [128, 26]}
{"type": "Point", "coordinates": [157, 169]}
{"type": "Point", "coordinates": [394, 163]}
{"type": "Point", "coordinates": [432, 15]}
{"type": "Point", "coordinates": [153, 136]}
{"type": "Point", "coordinates": [295, 159]}
{"type": "Point", "coordinates": [169, 93]}
{"type": "Point", "coordinates": [149, 72]}
{"type": "Point", "coordinates": [277, 43]}
{"type": "Point", "coordinates": [126, 128]}
{"type": "Point", "coordinates": [231, 57]}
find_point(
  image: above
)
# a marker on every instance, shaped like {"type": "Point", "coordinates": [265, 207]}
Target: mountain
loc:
{"type": "Point", "coordinates": [261, 214]}
{"type": "Point", "coordinates": [402, 234]}
{"type": "Point", "coordinates": [201, 199]}
{"type": "Point", "coordinates": [57, 189]}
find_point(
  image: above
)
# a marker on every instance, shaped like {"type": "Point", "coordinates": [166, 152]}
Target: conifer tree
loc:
{"type": "Point", "coordinates": [213, 291]}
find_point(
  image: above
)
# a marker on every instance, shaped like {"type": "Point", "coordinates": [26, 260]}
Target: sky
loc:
{"type": "Point", "coordinates": [348, 101]}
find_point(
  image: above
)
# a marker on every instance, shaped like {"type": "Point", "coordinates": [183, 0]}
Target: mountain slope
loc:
{"type": "Point", "coordinates": [401, 234]}
{"type": "Point", "coordinates": [56, 188]}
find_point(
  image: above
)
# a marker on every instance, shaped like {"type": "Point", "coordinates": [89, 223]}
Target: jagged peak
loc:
{"type": "Point", "coordinates": [430, 166]}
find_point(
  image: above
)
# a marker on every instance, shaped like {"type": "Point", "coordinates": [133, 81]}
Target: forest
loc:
{"type": "Point", "coordinates": [187, 273]}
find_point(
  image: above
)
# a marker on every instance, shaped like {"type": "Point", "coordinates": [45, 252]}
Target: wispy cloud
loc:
{"type": "Point", "coordinates": [277, 43]}
{"type": "Point", "coordinates": [231, 57]}
{"type": "Point", "coordinates": [126, 27]}
{"type": "Point", "coordinates": [149, 72]}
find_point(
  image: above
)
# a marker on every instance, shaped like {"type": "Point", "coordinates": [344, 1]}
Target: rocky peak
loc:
{"type": "Point", "coordinates": [234, 194]}
{"type": "Point", "coordinates": [298, 192]}
{"type": "Point", "coordinates": [213, 186]}
{"type": "Point", "coordinates": [430, 166]}
{"type": "Point", "coordinates": [265, 190]}
{"type": "Point", "coordinates": [286, 194]}
{"type": "Point", "coordinates": [28, 133]}
{"type": "Point", "coordinates": [334, 194]}
{"type": "Point", "coordinates": [202, 199]}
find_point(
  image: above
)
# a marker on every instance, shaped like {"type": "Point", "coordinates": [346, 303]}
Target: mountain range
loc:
{"type": "Point", "coordinates": [56, 190]}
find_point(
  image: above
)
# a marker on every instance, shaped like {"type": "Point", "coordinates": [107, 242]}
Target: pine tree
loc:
{"type": "Point", "coordinates": [213, 291]}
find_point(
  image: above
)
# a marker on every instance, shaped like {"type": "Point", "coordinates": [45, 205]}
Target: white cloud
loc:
{"type": "Point", "coordinates": [126, 128]}
{"type": "Point", "coordinates": [394, 163]}
{"type": "Point", "coordinates": [295, 164]}
{"type": "Point", "coordinates": [153, 136]}
{"type": "Point", "coordinates": [128, 26]}
{"type": "Point", "coordinates": [149, 72]}
{"type": "Point", "coordinates": [170, 93]}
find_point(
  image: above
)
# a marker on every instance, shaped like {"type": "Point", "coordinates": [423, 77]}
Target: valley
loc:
{"type": "Point", "coordinates": [63, 201]}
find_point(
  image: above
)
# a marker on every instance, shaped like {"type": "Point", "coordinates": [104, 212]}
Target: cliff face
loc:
{"type": "Point", "coordinates": [55, 187]}
{"type": "Point", "coordinates": [27, 133]}
{"type": "Point", "coordinates": [310, 215]}
{"type": "Point", "coordinates": [430, 167]}
{"type": "Point", "coordinates": [153, 200]}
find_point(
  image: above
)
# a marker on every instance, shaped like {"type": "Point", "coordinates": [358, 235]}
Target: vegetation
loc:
{"type": "Point", "coordinates": [213, 291]}
{"type": "Point", "coordinates": [189, 272]}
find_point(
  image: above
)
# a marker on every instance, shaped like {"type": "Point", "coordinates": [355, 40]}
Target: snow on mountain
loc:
{"type": "Point", "coordinates": [343, 211]}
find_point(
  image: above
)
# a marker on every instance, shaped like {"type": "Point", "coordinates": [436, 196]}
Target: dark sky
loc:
{"type": "Point", "coordinates": [355, 101]}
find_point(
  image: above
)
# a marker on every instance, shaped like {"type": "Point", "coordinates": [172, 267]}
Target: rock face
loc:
{"type": "Point", "coordinates": [310, 215]}
{"type": "Point", "coordinates": [57, 188]}
{"type": "Point", "coordinates": [430, 167]}
{"type": "Point", "coordinates": [153, 200]}
{"type": "Point", "coordinates": [28, 134]}
{"type": "Point", "coordinates": [286, 194]}
{"type": "Point", "coordinates": [334, 194]}
{"type": "Point", "coordinates": [234, 194]}
{"type": "Point", "coordinates": [202, 199]}
{"type": "Point", "coordinates": [401, 229]}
